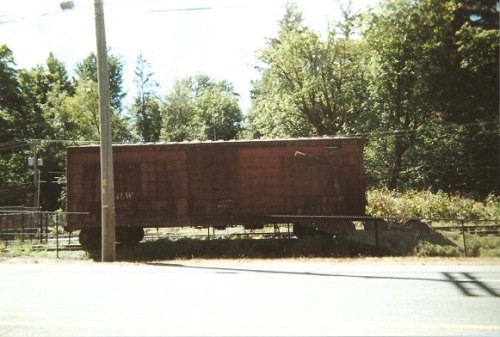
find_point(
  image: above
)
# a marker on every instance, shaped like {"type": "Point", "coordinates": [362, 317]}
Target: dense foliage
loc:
{"type": "Point", "coordinates": [428, 205]}
{"type": "Point", "coordinates": [417, 78]}
{"type": "Point", "coordinates": [201, 108]}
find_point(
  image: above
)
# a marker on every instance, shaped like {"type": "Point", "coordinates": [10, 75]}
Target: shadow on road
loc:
{"type": "Point", "coordinates": [467, 283]}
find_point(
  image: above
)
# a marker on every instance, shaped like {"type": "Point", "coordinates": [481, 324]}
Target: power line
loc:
{"type": "Point", "coordinates": [13, 145]}
{"type": "Point", "coordinates": [484, 163]}
{"type": "Point", "coordinates": [379, 134]}
{"type": "Point", "coordinates": [28, 142]}
{"type": "Point", "coordinates": [374, 134]}
{"type": "Point", "coordinates": [7, 19]}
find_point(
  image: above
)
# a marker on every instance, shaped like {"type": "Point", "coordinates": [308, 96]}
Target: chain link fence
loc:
{"type": "Point", "coordinates": [364, 236]}
{"type": "Point", "coordinates": [473, 237]}
{"type": "Point", "coordinates": [431, 237]}
{"type": "Point", "coordinates": [43, 230]}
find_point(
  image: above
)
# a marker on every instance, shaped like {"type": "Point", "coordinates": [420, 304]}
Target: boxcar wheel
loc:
{"type": "Point", "coordinates": [129, 236]}
{"type": "Point", "coordinates": [137, 235]}
{"type": "Point", "coordinates": [123, 236]}
{"type": "Point", "coordinates": [90, 238]}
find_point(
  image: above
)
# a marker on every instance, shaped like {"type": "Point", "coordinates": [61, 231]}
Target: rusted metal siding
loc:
{"type": "Point", "coordinates": [219, 183]}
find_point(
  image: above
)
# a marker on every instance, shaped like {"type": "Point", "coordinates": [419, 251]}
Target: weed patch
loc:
{"type": "Point", "coordinates": [425, 204]}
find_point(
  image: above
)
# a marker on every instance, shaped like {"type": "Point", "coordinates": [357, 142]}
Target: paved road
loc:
{"type": "Point", "coordinates": [319, 297]}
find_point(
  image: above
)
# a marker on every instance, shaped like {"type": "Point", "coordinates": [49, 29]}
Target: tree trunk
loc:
{"type": "Point", "coordinates": [395, 170]}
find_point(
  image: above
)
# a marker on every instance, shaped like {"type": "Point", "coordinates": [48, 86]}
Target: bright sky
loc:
{"type": "Point", "coordinates": [178, 37]}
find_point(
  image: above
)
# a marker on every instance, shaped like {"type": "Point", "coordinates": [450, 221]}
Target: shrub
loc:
{"type": "Point", "coordinates": [425, 204]}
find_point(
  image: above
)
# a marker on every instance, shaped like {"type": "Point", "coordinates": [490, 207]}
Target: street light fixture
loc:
{"type": "Point", "coordinates": [67, 5]}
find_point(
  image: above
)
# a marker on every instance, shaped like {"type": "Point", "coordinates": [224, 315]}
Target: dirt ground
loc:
{"type": "Point", "coordinates": [357, 260]}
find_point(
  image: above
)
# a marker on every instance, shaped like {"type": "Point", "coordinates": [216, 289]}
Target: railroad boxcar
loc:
{"type": "Point", "coordinates": [221, 183]}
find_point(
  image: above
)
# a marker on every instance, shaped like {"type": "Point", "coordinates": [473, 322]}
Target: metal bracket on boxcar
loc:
{"type": "Point", "coordinates": [298, 153]}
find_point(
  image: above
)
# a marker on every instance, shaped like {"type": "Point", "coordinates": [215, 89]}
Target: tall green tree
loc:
{"type": "Point", "coordinates": [404, 68]}
{"type": "Point", "coordinates": [15, 183]}
{"type": "Point", "coordinates": [201, 108]}
{"type": "Point", "coordinates": [434, 94]}
{"type": "Point", "coordinates": [146, 109]}
{"type": "Point", "coordinates": [218, 114]}
{"type": "Point", "coordinates": [273, 112]}
{"type": "Point", "coordinates": [12, 112]}
{"type": "Point", "coordinates": [87, 70]}
{"type": "Point", "coordinates": [76, 117]}
{"type": "Point", "coordinates": [36, 84]}
{"type": "Point", "coordinates": [472, 62]}
{"type": "Point", "coordinates": [178, 112]}
{"type": "Point", "coordinates": [309, 85]}
{"type": "Point", "coordinates": [471, 97]}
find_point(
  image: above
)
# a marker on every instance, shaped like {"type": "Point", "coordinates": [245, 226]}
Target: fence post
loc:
{"type": "Point", "coordinates": [463, 236]}
{"type": "Point", "coordinates": [39, 225]}
{"type": "Point", "coordinates": [57, 235]}
{"type": "Point", "coordinates": [23, 232]}
{"type": "Point", "coordinates": [6, 230]}
{"type": "Point", "coordinates": [46, 227]}
{"type": "Point", "coordinates": [375, 225]}
{"type": "Point", "coordinates": [39, 220]}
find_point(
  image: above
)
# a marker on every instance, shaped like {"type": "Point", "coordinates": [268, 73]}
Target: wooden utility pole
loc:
{"type": "Point", "coordinates": [107, 177]}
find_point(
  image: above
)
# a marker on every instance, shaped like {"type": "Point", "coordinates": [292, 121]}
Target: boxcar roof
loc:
{"type": "Point", "coordinates": [243, 143]}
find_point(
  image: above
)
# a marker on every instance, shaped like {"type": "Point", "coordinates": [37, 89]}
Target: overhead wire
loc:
{"type": "Point", "coordinates": [448, 126]}
{"type": "Point", "coordinates": [368, 135]}
{"type": "Point", "coordinates": [29, 142]}
{"type": "Point", "coordinates": [12, 145]}
{"type": "Point", "coordinates": [16, 18]}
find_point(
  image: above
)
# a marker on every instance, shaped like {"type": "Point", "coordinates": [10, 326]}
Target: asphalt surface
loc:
{"type": "Point", "coordinates": [250, 298]}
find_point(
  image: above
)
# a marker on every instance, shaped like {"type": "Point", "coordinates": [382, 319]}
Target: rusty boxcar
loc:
{"type": "Point", "coordinates": [218, 184]}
